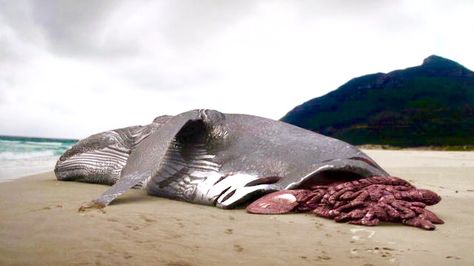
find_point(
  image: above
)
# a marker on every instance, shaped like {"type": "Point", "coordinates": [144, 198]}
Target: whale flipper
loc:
{"type": "Point", "coordinates": [122, 185]}
{"type": "Point", "coordinates": [148, 158]}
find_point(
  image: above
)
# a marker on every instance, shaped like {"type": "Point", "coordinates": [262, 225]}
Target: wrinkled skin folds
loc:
{"type": "Point", "coordinates": [366, 201]}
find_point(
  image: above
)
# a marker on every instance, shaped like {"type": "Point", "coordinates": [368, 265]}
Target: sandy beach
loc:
{"type": "Point", "coordinates": [40, 225]}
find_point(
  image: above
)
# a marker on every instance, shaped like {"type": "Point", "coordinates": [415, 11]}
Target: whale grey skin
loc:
{"type": "Point", "coordinates": [207, 157]}
{"type": "Point", "coordinates": [101, 157]}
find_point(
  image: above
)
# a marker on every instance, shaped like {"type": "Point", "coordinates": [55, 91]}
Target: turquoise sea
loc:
{"type": "Point", "coordinates": [20, 156]}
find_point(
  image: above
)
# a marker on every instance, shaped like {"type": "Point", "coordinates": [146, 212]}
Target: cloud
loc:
{"type": "Point", "coordinates": [74, 27]}
{"type": "Point", "coordinates": [72, 68]}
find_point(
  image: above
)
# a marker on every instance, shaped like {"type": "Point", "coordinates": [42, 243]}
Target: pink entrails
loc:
{"type": "Point", "coordinates": [366, 201]}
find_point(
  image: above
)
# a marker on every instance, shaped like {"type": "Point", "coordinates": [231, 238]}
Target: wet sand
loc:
{"type": "Point", "coordinates": [40, 225]}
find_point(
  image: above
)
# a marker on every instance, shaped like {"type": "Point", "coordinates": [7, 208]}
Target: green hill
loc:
{"type": "Point", "coordinates": [427, 105]}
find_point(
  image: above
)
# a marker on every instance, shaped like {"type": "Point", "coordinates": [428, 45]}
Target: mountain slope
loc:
{"type": "Point", "coordinates": [428, 105]}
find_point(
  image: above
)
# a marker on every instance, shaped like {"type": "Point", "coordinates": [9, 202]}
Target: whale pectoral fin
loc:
{"type": "Point", "coordinates": [124, 184]}
{"type": "Point", "coordinates": [179, 147]}
{"type": "Point", "coordinates": [147, 158]}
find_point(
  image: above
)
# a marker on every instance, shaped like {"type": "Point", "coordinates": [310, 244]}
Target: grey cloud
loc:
{"type": "Point", "coordinates": [17, 31]}
{"type": "Point", "coordinates": [384, 15]}
{"type": "Point", "coordinates": [168, 45]}
{"type": "Point", "coordinates": [67, 28]}
{"type": "Point", "coordinates": [190, 22]}
{"type": "Point", "coordinates": [73, 27]}
{"type": "Point", "coordinates": [157, 78]}
{"type": "Point", "coordinates": [389, 16]}
{"type": "Point", "coordinates": [2, 96]}
{"type": "Point", "coordinates": [8, 53]}
{"type": "Point", "coordinates": [338, 8]}
{"type": "Point", "coordinates": [16, 17]}
{"type": "Point", "coordinates": [85, 30]}
{"type": "Point", "coordinates": [76, 28]}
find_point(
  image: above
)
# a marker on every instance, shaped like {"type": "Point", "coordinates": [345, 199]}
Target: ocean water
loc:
{"type": "Point", "coordinates": [20, 156]}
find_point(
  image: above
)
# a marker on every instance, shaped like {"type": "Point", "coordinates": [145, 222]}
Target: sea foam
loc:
{"type": "Point", "coordinates": [20, 156]}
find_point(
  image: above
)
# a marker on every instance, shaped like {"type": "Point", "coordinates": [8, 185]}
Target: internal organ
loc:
{"type": "Point", "coordinates": [366, 201]}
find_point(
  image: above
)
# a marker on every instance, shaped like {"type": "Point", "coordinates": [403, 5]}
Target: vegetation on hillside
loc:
{"type": "Point", "coordinates": [428, 105]}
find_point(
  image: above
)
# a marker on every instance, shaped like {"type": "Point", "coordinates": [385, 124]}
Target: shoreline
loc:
{"type": "Point", "coordinates": [40, 225]}
{"type": "Point", "coordinates": [11, 178]}
{"type": "Point", "coordinates": [460, 148]}
{"type": "Point", "coordinates": [369, 149]}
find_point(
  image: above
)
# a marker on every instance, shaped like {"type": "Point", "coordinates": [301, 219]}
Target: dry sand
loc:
{"type": "Point", "coordinates": [40, 225]}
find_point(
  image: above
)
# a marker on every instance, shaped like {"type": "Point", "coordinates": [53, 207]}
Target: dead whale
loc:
{"type": "Point", "coordinates": [207, 157]}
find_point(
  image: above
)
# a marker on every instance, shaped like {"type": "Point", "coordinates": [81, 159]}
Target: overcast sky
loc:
{"type": "Point", "coordinates": [74, 68]}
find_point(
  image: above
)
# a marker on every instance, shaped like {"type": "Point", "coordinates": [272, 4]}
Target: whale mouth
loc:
{"type": "Point", "coordinates": [329, 177]}
{"type": "Point", "coordinates": [234, 190]}
{"type": "Point", "coordinates": [338, 171]}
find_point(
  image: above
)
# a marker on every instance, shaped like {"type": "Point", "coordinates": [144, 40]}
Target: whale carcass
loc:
{"type": "Point", "coordinates": [226, 160]}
